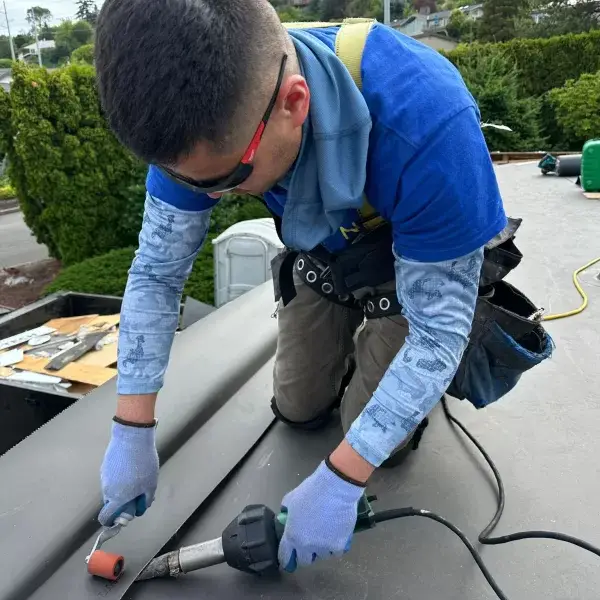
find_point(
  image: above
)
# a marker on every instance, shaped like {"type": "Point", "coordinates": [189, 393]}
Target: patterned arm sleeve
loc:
{"type": "Point", "coordinates": [169, 242]}
{"type": "Point", "coordinates": [438, 301]}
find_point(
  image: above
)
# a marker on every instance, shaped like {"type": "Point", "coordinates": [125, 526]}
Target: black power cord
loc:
{"type": "Point", "coordinates": [484, 536]}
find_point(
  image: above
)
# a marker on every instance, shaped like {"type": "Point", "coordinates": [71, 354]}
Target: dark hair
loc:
{"type": "Point", "coordinates": [173, 73]}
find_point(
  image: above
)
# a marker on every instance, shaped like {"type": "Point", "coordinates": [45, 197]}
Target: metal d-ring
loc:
{"type": "Point", "coordinates": [384, 304]}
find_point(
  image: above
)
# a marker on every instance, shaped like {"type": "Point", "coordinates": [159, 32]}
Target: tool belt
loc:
{"type": "Point", "coordinates": [507, 337]}
{"type": "Point", "coordinates": [318, 277]}
{"type": "Point", "coordinates": [366, 263]}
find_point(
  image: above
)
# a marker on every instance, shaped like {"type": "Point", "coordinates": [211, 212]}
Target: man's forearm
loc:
{"type": "Point", "coordinates": [438, 301]}
{"type": "Point", "coordinates": [170, 240]}
{"type": "Point", "coordinates": [137, 408]}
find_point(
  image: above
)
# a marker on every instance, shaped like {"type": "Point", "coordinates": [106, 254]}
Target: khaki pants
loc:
{"type": "Point", "coordinates": [315, 345]}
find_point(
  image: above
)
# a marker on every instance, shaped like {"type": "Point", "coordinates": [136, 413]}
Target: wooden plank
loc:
{"type": "Point", "coordinates": [68, 325]}
{"type": "Point", "coordinates": [74, 372]}
{"type": "Point", "coordinates": [6, 371]}
{"type": "Point", "coordinates": [592, 195]}
{"type": "Point", "coordinates": [105, 357]}
{"type": "Point", "coordinates": [105, 321]}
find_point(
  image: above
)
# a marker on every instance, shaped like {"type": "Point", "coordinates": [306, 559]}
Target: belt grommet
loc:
{"type": "Point", "coordinates": [384, 303]}
{"type": "Point", "coordinates": [311, 277]}
{"type": "Point", "coordinates": [370, 306]}
{"type": "Point", "coordinates": [327, 288]}
{"type": "Point", "coordinates": [300, 264]}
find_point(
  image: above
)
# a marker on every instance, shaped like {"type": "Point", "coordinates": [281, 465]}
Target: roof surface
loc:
{"type": "Point", "coordinates": [543, 437]}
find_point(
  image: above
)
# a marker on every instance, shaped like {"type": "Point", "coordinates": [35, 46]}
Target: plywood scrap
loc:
{"type": "Point", "coordinates": [104, 322]}
{"type": "Point", "coordinates": [69, 325]}
{"type": "Point", "coordinates": [592, 195]}
{"type": "Point", "coordinates": [89, 374]}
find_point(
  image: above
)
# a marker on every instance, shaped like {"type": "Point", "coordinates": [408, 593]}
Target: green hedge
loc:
{"type": "Point", "coordinates": [493, 79]}
{"type": "Point", "coordinates": [81, 192]}
{"type": "Point", "coordinates": [107, 274]}
{"type": "Point", "coordinates": [577, 107]}
{"type": "Point", "coordinates": [543, 64]}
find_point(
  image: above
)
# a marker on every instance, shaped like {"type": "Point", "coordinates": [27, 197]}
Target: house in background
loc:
{"type": "Point", "coordinates": [438, 41]}
{"type": "Point", "coordinates": [31, 49]}
{"type": "Point", "coordinates": [430, 28]}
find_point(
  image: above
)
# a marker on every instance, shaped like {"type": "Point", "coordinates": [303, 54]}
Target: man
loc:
{"type": "Point", "coordinates": [217, 96]}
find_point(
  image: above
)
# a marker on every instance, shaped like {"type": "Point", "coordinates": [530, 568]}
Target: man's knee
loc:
{"type": "Point", "coordinates": [303, 419]}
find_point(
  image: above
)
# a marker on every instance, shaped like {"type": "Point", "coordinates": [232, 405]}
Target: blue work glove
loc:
{"type": "Point", "coordinates": [321, 516]}
{"type": "Point", "coordinates": [129, 473]}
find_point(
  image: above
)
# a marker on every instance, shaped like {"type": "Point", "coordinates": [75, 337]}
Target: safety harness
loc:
{"type": "Point", "coordinates": [507, 337]}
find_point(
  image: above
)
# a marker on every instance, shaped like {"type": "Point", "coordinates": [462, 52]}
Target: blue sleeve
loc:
{"type": "Point", "coordinates": [160, 186]}
{"type": "Point", "coordinates": [438, 301]}
{"type": "Point", "coordinates": [448, 202]}
{"type": "Point", "coordinates": [169, 242]}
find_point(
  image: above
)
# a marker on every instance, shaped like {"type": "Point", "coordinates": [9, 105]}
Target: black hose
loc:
{"type": "Point", "coordinates": [484, 536]}
{"type": "Point", "coordinates": [399, 513]}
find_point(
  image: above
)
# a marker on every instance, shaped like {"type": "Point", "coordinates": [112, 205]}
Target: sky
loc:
{"type": "Point", "coordinates": [60, 9]}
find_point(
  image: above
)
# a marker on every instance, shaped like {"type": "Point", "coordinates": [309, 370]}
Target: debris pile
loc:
{"type": "Point", "coordinates": [76, 354]}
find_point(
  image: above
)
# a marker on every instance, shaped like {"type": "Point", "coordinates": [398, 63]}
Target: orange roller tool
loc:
{"type": "Point", "coordinates": [106, 564]}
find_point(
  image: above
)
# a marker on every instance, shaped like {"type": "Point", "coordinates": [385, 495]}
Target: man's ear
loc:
{"type": "Point", "coordinates": [294, 97]}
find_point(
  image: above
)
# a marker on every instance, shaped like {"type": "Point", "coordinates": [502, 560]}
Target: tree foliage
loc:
{"type": "Point", "coordinates": [38, 17]}
{"type": "Point", "coordinates": [577, 107]}
{"type": "Point", "coordinates": [542, 64]}
{"type": "Point", "coordinates": [559, 17]}
{"type": "Point", "coordinates": [83, 54]}
{"type": "Point", "coordinates": [371, 9]}
{"type": "Point", "coordinates": [87, 10]}
{"type": "Point", "coordinates": [499, 21]}
{"type": "Point", "coordinates": [107, 274]}
{"type": "Point", "coordinates": [78, 187]}
{"type": "Point", "coordinates": [4, 47]}
{"type": "Point", "coordinates": [462, 28]}
{"type": "Point", "coordinates": [69, 36]}
{"type": "Point", "coordinates": [493, 80]}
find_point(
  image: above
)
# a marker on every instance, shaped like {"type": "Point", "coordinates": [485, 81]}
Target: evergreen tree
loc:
{"type": "Point", "coordinates": [87, 11]}
{"type": "Point", "coordinates": [499, 21]}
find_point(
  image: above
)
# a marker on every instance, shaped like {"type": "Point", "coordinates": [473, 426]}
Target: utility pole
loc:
{"type": "Point", "coordinates": [10, 40]}
{"type": "Point", "coordinates": [37, 41]}
{"type": "Point", "coordinates": [386, 12]}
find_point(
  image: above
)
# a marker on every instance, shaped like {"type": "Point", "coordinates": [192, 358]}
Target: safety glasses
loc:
{"type": "Point", "coordinates": [244, 168]}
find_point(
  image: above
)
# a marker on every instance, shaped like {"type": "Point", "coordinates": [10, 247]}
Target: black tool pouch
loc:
{"type": "Point", "coordinates": [501, 255]}
{"type": "Point", "coordinates": [507, 338]}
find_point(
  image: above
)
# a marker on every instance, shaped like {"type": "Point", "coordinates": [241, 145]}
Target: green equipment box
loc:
{"type": "Point", "coordinates": [590, 166]}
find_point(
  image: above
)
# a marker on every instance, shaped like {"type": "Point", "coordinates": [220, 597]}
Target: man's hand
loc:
{"type": "Point", "coordinates": [322, 513]}
{"type": "Point", "coordinates": [129, 473]}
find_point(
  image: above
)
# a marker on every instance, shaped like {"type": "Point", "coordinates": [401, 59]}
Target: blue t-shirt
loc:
{"type": "Point", "coordinates": [428, 171]}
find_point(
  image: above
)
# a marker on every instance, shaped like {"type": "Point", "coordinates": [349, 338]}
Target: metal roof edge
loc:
{"type": "Point", "coordinates": [50, 481]}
